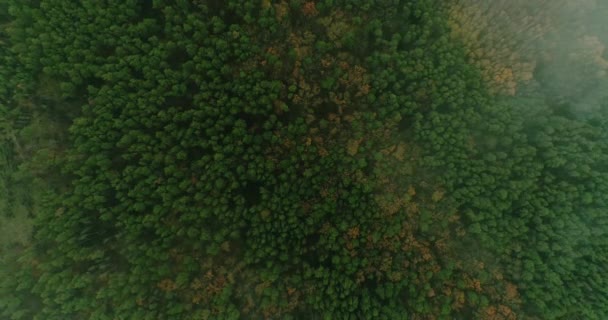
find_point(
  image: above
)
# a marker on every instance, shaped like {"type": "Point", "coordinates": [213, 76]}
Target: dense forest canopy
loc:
{"type": "Point", "coordinates": [295, 159]}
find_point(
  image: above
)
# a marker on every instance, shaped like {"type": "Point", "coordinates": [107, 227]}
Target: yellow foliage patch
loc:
{"type": "Point", "coordinates": [400, 152]}
{"type": "Point", "coordinates": [352, 146]}
{"type": "Point", "coordinates": [438, 195]}
{"type": "Point", "coordinates": [411, 191]}
{"type": "Point", "coordinates": [265, 214]}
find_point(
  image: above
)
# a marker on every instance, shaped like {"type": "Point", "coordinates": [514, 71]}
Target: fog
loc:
{"type": "Point", "coordinates": [573, 57]}
{"type": "Point", "coordinates": [556, 48]}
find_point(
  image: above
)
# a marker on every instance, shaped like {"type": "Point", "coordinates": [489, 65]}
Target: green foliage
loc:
{"type": "Point", "coordinates": [530, 181]}
{"type": "Point", "coordinates": [286, 159]}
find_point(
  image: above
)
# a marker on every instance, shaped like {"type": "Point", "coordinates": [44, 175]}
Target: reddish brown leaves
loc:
{"type": "Point", "coordinates": [309, 9]}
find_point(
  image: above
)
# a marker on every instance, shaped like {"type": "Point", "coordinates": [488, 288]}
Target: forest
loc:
{"type": "Point", "coordinates": [304, 159]}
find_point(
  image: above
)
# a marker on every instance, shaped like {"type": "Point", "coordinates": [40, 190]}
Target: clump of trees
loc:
{"type": "Point", "coordinates": [530, 188]}
{"type": "Point", "coordinates": [500, 36]}
{"type": "Point", "coordinates": [521, 45]}
{"type": "Point", "coordinates": [291, 159]}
